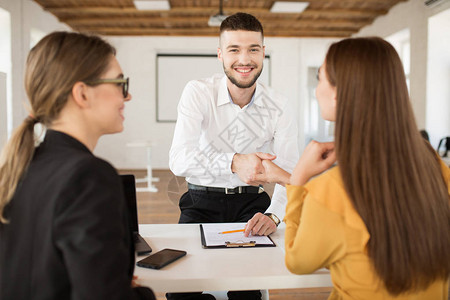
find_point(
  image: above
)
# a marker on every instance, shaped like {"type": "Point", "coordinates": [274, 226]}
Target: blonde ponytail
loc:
{"type": "Point", "coordinates": [14, 160]}
{"type": "Point", "coordinates": [53, 66]}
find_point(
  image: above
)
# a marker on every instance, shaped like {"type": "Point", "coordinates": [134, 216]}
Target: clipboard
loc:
{"type": "Point", "coordinates": [233, 240]}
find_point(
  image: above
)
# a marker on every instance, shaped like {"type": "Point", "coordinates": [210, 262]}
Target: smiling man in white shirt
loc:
{"type": "Point", "coordinates": [227, 124]}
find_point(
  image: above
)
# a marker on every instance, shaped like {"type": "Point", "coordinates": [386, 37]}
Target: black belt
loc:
{"type": "Point", "coordinates": [237, 190]}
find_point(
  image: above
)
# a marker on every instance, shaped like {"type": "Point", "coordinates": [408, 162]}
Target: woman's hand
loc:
{"type": "Point", "coordinates": [316, 158]}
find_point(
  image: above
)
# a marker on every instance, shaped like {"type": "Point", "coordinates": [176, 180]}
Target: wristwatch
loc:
{"type": "Point", "coordinates": [273, 218]}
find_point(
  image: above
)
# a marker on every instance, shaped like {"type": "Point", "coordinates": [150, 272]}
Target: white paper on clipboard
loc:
{"type": "Point", "coordinates": [213, 236]}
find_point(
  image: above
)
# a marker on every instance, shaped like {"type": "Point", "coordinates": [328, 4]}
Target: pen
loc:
{"type": "Point", "coordinates": [232, 231]}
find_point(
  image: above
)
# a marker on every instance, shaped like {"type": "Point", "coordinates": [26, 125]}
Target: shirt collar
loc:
{"type": "Point", "coordinates": [223, 92]}
{"type": "Point", "coordinates": [224, 96]}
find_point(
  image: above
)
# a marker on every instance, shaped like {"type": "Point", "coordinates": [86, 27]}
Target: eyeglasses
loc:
{"type": "Point", "coordinates": [124, 82]}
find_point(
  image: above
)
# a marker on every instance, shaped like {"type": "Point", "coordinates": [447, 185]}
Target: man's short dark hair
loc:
{"type": "Point", "coordinates": [241, 21]}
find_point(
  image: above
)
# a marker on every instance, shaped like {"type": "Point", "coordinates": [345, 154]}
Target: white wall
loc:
{"type": "Point", "coordinates": [312, 54]}
{"type": "Point", "coordinates": [414, 15]}
{"type": "Point", "coordinates": [3, 132]}
{"type": "Point", "coordinates": [438, 81]}
{"type": "Point", "coordinates": [5, 68]}
{"type": "Point", "coordinates": [25, 15]}
{"type": "Point", "coordinates": [290, 58]}
{"type": "Point", "coordinates": [137, 57]}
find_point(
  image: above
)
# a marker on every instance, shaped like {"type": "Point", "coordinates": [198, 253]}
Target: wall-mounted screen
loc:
{"type": "Point", "coordinates": [174, 71]}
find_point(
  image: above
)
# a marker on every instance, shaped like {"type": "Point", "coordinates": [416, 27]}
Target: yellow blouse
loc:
{"type": "Point", "coordinates": [324, 230]}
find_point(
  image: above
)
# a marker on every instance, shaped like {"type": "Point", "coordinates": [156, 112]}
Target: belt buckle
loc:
{"type": "Point", "coordinates": [233, 190]}
{"type": "Point", "coordinates": [229, 191]}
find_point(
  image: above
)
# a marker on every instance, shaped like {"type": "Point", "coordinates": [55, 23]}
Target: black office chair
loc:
{"type": "Point", "coordinates": [425, 135]}
{"type": "Point", "coordinates": [446, 143]}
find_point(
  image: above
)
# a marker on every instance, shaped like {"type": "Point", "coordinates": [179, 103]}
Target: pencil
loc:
{"type": "Point", "coordinates": [232, 231]}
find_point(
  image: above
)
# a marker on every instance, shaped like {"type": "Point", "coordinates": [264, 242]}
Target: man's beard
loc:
{"type": "Point", "coordinates": [237, 83]}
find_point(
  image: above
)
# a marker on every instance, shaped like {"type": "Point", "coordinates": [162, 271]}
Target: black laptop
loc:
{"type": "Point", "coordinates": [129, 189]}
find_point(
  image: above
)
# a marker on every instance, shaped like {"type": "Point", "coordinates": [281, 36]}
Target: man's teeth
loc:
{"type": "Point", "coordinates": [243, 70]}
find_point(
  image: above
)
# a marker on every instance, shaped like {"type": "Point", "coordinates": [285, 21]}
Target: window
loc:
{"type": "Point", "coordinates": [316, 128]}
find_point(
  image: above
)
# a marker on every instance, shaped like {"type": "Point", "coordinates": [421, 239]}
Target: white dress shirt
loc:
{"type": "Point", "coordinates": [210, 129]}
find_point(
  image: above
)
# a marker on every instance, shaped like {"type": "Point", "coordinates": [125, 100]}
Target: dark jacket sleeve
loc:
{"type": "Point", "coordinates": [89, 232]}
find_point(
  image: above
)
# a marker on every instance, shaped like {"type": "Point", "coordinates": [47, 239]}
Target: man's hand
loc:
{"type": "Point", "coordinates": [260, 225]}
{"type": "Point", "coordinates": [248, 166]}
{"type": "Point", "coordinates": [273, 174]}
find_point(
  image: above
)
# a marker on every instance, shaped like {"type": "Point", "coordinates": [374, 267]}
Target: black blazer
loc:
{"type": "Point", "coordinates": [67, 237]}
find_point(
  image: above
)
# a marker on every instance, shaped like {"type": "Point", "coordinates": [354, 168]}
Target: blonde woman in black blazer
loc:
{"type": "Point", "coordinates": [63, 230]}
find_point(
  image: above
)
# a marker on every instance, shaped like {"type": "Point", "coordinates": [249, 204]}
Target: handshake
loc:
{"type": "Point", "coordinates": [259, 168]}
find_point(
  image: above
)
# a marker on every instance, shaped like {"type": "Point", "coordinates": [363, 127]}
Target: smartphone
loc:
{"type": "Point", "coordinates": [161, 258]}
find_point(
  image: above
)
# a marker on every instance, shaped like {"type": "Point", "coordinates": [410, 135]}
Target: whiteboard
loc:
{"type": "Point", "coordinates": [174, 71]}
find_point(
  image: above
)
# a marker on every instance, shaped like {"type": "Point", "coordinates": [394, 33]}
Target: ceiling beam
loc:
{"type": "Point", "coordinates": [258, 12]}
{"type": "Point", "coordinates": [214, 31]}
{"type": "Point", "coordinates": [323, 18]}
{"type": "Point", "coordinates": [180, 21]}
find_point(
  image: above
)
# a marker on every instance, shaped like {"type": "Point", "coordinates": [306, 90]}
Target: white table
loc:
{"type": "Point", "coordinates": [219, 269]}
